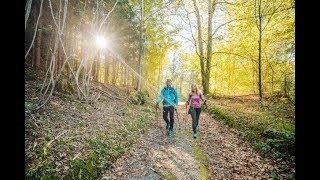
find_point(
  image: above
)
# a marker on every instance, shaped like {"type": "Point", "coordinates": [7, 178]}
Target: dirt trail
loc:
{"type": "Point", "coordinates": [214, 155]}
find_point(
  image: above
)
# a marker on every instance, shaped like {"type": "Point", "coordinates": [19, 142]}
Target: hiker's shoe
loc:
{"type": "Point", "coordinates": [170, 133]}
{"type": "Point", "coordinates": [167, 127]}
{"type": "Point", "coordinates": [194, 134]}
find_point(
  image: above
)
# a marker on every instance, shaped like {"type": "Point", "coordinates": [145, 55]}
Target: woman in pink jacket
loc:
{"type": "Point", "coordinates": [193, 105]}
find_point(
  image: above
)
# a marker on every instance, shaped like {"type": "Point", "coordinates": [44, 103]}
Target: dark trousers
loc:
{"type": "Point", "coordinates": [168, 111]}
{"type": "Point", "coordinates": [195, 114]}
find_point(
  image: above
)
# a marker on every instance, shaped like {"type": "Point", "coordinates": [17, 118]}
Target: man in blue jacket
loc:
{"type": "Point", "coordinates": [169, 98]}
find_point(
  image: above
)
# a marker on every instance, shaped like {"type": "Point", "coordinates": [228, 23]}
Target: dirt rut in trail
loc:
{"type": "Point", "coordinates": [156, 156]}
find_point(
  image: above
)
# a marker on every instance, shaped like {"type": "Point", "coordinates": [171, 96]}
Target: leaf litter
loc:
{"type": "Point", "coordinates": [59, 134]}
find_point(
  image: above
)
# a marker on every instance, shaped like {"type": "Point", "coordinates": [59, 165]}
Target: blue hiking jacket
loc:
{"type": "Point", "coordinates": [168, 96]}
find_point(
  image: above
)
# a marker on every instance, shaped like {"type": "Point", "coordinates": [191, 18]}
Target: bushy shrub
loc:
{"type": "Point", "coordinates": [30, 74]}
{"type": "Point", "coordinates": [274, 142]}
{"type": "Point", "coordinates": [140, 98]}
{"type": "Point", "coordinates": [283, 142]}
{"type": "Point", "coordinates": [65, 86]}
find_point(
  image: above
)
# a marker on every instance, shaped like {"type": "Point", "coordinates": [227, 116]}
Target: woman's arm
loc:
{"type": "Point", "coordinates": [189, 99]}
{"type": "Point", "coordinates": [202, 97]}
{"type": "Point", "coordinates": [188, 103]}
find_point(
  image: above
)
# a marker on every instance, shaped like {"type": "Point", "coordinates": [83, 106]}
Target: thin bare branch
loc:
{"type": "Point", "coordinates": [107, 16]}
{"type": "Point", "coordinates": [27, 9]}
{"type": "Point", "coordinates": [35, 29]}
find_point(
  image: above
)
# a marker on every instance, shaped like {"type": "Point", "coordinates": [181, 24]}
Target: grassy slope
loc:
{"type": "Point", "coordinates": [269, 129]}
{"type": "Point", "coordinates": [93, 136]}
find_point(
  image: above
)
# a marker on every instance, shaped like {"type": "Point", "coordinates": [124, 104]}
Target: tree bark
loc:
{"type": "Point", "coordinates": [159, 74]}
{"type": "Point", "coordinates": [37, 46]}
{"type": "Point", "coordinates": [98, 67]}
{"type": "Point", "coordinates": [209, 48]}
{"type": "Point", "coordinates": [141, 52]}
{"type": "Point", "coordinates": [205, 62]}
{"type": "Point", "coordinates": [27, 9]}
{"type": "Point", "coordinates": [59, 64]}
{"type": "Point", "coordinates": [106, 69]}
{"type": "Point", "coordinates": [201, 51]}
{"type": "Point", "coordinates": [114, 71]}
{"type": "Point", "coordinates": [259, 56]}
{"type": "Point", "coordinates": [126, 73]}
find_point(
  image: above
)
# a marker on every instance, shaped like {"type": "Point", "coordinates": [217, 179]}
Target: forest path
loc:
{"type": "Point", "coordinates": [218, 153]}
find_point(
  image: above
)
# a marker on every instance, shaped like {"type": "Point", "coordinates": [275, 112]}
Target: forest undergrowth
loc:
{"type": "Point", "coordinates": [270, 128]}
{"type": "Point", "coordinates": [70, 139]}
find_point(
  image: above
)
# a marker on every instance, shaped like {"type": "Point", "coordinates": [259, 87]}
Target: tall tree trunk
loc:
{"type": "Point", "coordinates": [38, 46]}
{"type": "Point", "coordinates": [93, 70]}
{"type": "Point", "coordinates": [141, 52]}
{"type": "Point", "coordinates": [67, 49]}
{"type": "Point", "coordinates": [114, 71]}
{"type": "Point", "coordinates": [286, 86]}
{"type": "Point", "coordinates": [254, 80]}
{"type": "Point", "coordinates": [81, 57]}
{"type": "Point", "coordinates": [62, 56]}
{"type": "Point", "coordinates": [123, 75]}
{"type": "Point", "coordinates": [159, 74]}
{"type": "Point", "coordinates": [205, 62]}
{"type": "Point", "coordinates": [98, 67]}
{"type": "Point", "coordinates": [259, 57]}
{"type": "Point", "coordinates": [200, 42]}
{"type": "Point", "coordinates": [209, 47]}
{"type": "Point", "coordinates": [133, 81]}
{"type": "Point", "coordinates": [27, 10]}
{"type": "Point", "coordinates": [106, 69]}
{"type": "Point", "coordinates": [58, 58]}
{"type": "Point", "coordinates": [37, 43]}
{"type": "Point", "coordinates": [272, 78]}
{"type": "Point", "coordinates": [95, 67]}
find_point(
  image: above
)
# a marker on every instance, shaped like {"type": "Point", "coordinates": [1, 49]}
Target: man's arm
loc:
{"type": "Point", "coordinates": [160, 98]}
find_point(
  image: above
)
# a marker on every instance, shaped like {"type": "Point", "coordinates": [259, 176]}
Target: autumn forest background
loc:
{"type": "Point", "coordinates": [93, 69]}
